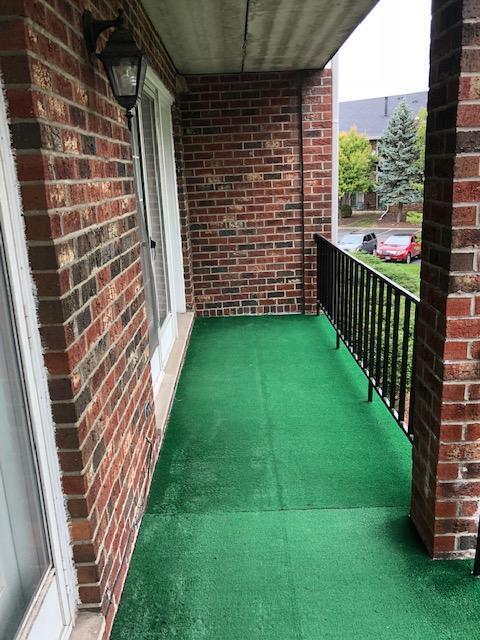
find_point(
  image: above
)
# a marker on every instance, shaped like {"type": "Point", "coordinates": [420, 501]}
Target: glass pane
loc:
{"type": "Point", "coordinates": [24, 554]}
{"type": "Point", "coordinates": [147, 267]}
{"type": "Point", "coordinates": [124, 74]}
{"type": "Point", "coordinates": [154, 206]}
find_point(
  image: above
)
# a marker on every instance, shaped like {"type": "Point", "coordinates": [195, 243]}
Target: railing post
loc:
{"type": "Point", "coordinates": [413, 377]}
{"type": "Point", "coordinates": [317, 244]}
{"type": "Point", "coordinates": [476, 564]}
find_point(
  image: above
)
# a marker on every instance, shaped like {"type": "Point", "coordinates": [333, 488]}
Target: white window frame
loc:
{"type": "Point", "coordinates": [59, 585]}
{"type": "Point", "coordinates": [163, 101]}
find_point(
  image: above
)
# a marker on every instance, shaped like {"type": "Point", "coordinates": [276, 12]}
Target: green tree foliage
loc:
{"type": "Point", "coordinates": [398, 170]}
{"type": "Point", "coordinates": [421, 141]}
{"type": "Point", "coordinates": [355, 163]}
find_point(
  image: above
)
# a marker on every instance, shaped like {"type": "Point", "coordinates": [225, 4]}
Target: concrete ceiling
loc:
{"type": "Point", "coordinates": [229, 36]}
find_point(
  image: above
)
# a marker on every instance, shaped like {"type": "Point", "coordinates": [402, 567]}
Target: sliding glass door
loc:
{"type": "Point", "coordinates": [154, 206]}
{"type": "Point", "coordinates": [24, 551]}
{"type": "Point", "coordinates": [37, 588]}
{"type": "Point", "coordinates": [157, 196]}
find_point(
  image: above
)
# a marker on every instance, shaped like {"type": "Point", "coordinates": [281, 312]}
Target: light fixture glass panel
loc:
{"type": "Point", "coordinates": [125, 75]}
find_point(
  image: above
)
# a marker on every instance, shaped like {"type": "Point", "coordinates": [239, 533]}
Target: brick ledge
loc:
{"type": "Point", "coordinates": [166, 391]}
{"type": "Point", "coordinates": [88, 626]}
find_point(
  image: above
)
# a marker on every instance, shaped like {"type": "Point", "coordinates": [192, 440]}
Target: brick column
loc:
{"type": "Point", "coordinates": [446, 453]}
{"type": "Point", "coordinates": [317, 145]}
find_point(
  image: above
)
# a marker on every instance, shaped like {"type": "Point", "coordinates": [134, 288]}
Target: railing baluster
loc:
{"type": "Point", "coordinates": [339, 291]}
{"type": "Point", "coordinates": [361, 328]}
{"type": "Point", "coordinates": [328, 281]}
{"type": "Point", "coordinates": [318, 277]}
{"type": "Point", "coordinates": [323, 276]}
{"type": "Point", "coordinates": [396, 320]}
{"type": "Point", "coordinates": [355, 309]}
{"type": "Point", "coordinates": [350, 303]}
{"type": "Point", "coordinates": [372, 355]}
{"type": "Point", "coordinates": [386, 344]}
{"type": "Point", "coordinates": [344, 297]}
{"type": "Point", "coordinates": [334, 287]}
{"type": "Point", "coordinates": [358, 302]}
{"type": "Point", "coordinates": [412, 386]}
{"type": "Point", "coordinates": [331, 266]}
{"type": "Point", "coordinates": [404, 363]}
{"type": "Point", "coordinates": [381, 302]}
{"type": "Point", "coordinates": [337, 296]}
{"type": "Point", "coordinates": [366, 350]}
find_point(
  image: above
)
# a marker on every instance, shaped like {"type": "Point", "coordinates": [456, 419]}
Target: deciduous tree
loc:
{"type": "Point", "coordinates": [356, 163]}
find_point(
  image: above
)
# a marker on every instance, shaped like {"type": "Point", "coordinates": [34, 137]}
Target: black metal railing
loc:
{"type": "Point", "coordinates": [375, 318]}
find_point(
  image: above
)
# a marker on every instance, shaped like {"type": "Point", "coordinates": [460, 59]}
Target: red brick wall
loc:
{"type": "Point", "coordinates": [183, 206]}
{"type": "Point", "coordinates": [75, 170]}
{"type": "Point", "coordinates": [241, 147]}
{"type": "Point", "coordinates": [317, 170]}
{"type": "Point", "coordinates": [446, 474]}
{"type": "Point", "coordinates": [74, 166]}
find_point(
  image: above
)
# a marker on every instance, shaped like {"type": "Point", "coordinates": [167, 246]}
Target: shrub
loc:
{"type": "Point", "coordinates": [414, 217]}
{"type": "Point", "coordinates": [346, 211]}
{"type": "Point", "coordinates": [406, 275]}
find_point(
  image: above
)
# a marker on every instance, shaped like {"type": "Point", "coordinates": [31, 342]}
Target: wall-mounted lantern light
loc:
{"type": "Point", "coordinates": [124, 63]}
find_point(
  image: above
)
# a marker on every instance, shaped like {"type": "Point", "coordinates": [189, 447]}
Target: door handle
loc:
{"type": "Point", "coordinates": [153, 245]}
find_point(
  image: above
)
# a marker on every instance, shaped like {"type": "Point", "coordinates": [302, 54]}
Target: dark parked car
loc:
{"type": "Point", "coordinates": [400, 247]}
{"type": "Point", "coordinates": [359, 241]}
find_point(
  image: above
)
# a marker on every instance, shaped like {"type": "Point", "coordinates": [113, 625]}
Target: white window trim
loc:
{"type": "Point", "coordinates": [163, 101]}
{"type": "Point", "coordinates": [169, 187]}
{"type": "Point", "coordinates": [35, 378]}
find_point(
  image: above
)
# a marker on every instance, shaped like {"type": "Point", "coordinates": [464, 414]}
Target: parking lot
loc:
{"type": "Point", "coordinates": [381, 232]}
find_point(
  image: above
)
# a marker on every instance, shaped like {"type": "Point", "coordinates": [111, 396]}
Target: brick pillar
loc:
{"type": "Point", "coordinates": [317, 171]}
{"type": "Point", "coordinates": [446, 453]}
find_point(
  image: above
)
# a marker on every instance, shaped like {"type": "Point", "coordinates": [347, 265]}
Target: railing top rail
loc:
{"type": "Point", "coordinates": [415, 299]}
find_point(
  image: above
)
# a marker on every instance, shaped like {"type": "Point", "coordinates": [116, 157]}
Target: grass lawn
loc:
{"type": "Point", "coordinates": [371, 219]}
{"type": "Point", "coordinates": [362, 219]}
{"type": "Point", "coordinates": [406, 275]}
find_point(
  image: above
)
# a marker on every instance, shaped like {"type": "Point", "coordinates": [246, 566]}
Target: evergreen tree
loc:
{"type": "Point", "coordinates": [398, 170]}
{"type": "Point", "coordinates": [421, 120]}
{"type": "Point", "coordinates": [355, 163]}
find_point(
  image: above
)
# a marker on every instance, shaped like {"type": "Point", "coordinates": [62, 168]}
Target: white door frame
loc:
{"type": "Point", "coordinates": [170, 189]}
{"type": "Point", "coordinates": [168, 333]}
{"type": "Point", "coordinates": [57, 594]}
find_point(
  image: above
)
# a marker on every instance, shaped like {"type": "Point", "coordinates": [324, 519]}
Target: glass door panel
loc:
{"type": "Point", "coordinates": [24, 550]}
{"type": "Point", "coordinates": [152, 146]}
{"type": "Point", "coordinates": [153, 198]}
{"type": "Point", "coordinates": [146, 248]}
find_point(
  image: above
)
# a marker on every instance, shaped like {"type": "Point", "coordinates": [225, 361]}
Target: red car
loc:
{"type": "Point", "coordinates": [401, 247]}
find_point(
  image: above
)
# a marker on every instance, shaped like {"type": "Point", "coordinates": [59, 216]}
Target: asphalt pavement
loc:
{"type": "Point", "coordinates": [382, 233]}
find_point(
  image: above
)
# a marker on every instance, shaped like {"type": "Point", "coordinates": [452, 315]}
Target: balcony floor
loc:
{"type": "Point", "coordinates": [279, 504]}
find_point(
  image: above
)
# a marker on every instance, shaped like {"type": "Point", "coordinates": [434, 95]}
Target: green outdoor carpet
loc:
{"type": "Point", "coordinates": [278, 509]}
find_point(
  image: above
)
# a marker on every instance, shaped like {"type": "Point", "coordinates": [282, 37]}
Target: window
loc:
{"type": "Point", "coordinates": [24, 550]}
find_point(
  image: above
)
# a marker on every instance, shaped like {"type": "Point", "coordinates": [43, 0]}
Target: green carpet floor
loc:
{"type": "Point", "coordinates": [278, 508]}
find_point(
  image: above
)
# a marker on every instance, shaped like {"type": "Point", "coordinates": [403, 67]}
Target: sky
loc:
{"type": "Point", "coordinates": [388, 53]}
